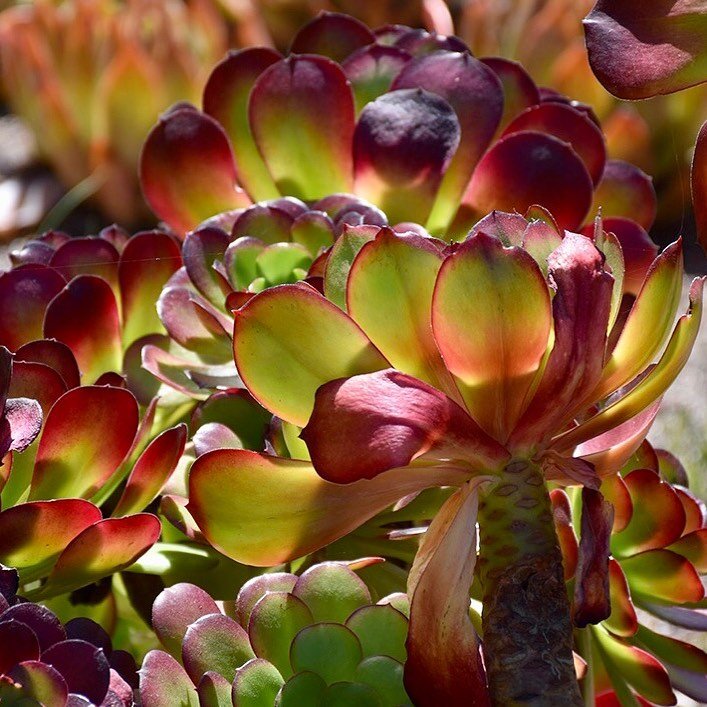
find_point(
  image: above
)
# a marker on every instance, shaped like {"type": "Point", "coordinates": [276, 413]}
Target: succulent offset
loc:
{"type": "Point", "coordinates": [313, 639]}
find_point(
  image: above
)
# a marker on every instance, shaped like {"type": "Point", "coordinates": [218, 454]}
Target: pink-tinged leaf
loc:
{"type": "Point", "coordinates": [652, 386]}
{"type": "Point", "coordinates": [484, 298]}
{"type": "Point", "coordinates": [610, 451]}
{"type": "Point", "coordinates": [83, 666]}
{"type": "Point", "coordinates": [591, 589]}
{"type": "Point", "coordinates": [294, 330]}
{"type": "Point", "coordinates": [37, 382]}
{"type": "Point", "coordinates": [528, 168]}
{"type": "Point", "coordinates": [519, 90]}
{"type": "Point", "coordinates": [371, 71]}
{"type": "Point", "coordinates": [569, 125]}
{"type": "Point", "coordinates": [623, 620]}
{"type": "Point", "coordinates": [86, 436]}
{"type": "Point", "coordinates": [257, 587]}
{"type": "Point", "coordinates": [215, 642]}
{"type": "Point", "coordinates": [171, 370]}
{"type": "Point", "coordinates": [34, 532]}
{"type": "Point", "coordinates": [615, 491]}
{"type": "Point", "coordinates": [580, 310]}
{"type": "Point", "coordinates": [54, 354]}
{"type": "Point", "coordinates": [562, 518]}
{"type": "Point", "coordinates": [692, 617]}
{"type": "Point", "coordinates": [444, 662]}
{"type": "Point", "coordinates": [175, 609]}
{"type": "Point", "coordinates": [672, 470]}
{"type": "Point", "coordinates": [332, 35]}
{"type": "Point", "coordinates": [187, 169]}
{"type": "Point", "coordinates": [313, 92]}
{"type": "Point", "coordinates": [201, 248]}
{"type": "Point", "coordinates": [403, 144]}
{"type": "Point", "coordinates": [649, 322]}
{"type": "Point", "coordinates": [693, 546]}
{"type": "Point", "coordinates": [87, 256]}
{"type": "Point", "coordinates": [638, 668]}
{"type": "Point", "coordinates": [686, 664]}
{"type": "Point", "coordinates": [214, 690]}
{"type": "Point", "coordinates": [226, 99]}
{"type": "Point", "coordinates": [698, 183]}
{"type": "Point", "coordinates": [390, 419]}
{"type": "Point", "coordinates": [637, 247]}
{"type": "Point", "coordinates": [658, 517]}
{"type": "Point", "coordinates": [25, 294]}
{"type": "Point", "coordinates": [152, 469]}
{"type": "Point", "coordinates": [695, 509]}
{"type": "Point", "coordinates": [626, 192]}
{"type": "Point", "coordinates": [23, 417]}
{"type": "Point", "coordinates": [663, 575]}
{"type": "Point", "coordinates": [475, 93]}
{"type": "Point", "coordinates": [165, 683]}
{"type": "Point", "coordinates": [147, 262]}
{"type": "Point", "coordinates": [214, 435]}
{"type": "Point", "coordinates": [392, 280]}
{"type": "Point", "coordinates": [638, 50]}
{"type": "Point", "coordinates": [263, 510]}
{"type": "Point", "coordinates": [106, 547]}
{"type": "Point", "coordinates": [41, 680]}
{"type": "Point", "coordinates": [84, 316]}
{"type": "Point", "coordinates": [509, 228]}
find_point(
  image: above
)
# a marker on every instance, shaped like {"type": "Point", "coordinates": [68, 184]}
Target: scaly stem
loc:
{"type": "Point", "coordinates": [526, 618]}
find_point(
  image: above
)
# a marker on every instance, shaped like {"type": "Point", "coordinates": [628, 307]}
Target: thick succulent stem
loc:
{"type": "Point", "coordinates": [526, 619]}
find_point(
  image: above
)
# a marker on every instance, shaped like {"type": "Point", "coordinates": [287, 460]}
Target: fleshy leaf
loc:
{"type": "Point", "coordinates": [484, 298]}
{"type": "Point", "coordinates": [390, 419]}
{"type": "Point", "coordinates": [623, 620]}
{"type": "Point", "coordinates": [84, 316]}
{"type": "Point", "coordinates": [382, 630]}
{"type": "Point", "coordinates": [476, 95]}
{"type": "Point", "coordinates": [257, 587]}
{"type": "Point", "coordinates": [698, 182]}
{"type": "Point", "coordinates": [663, 575]}
{"type": "Point", "coordinates": [403, 144]}
{"type": "Point", "coordinates": [215, 642]}
{"type": "Point", "coordinates": [106, 547]}
{"type": "Point", "coordinates": [87, 256]}
{"type": "Point", "coordinates": [332, 35]}
{"type": "Point", "coordinates": [86, 436]}
{"type": "Point", "coordinates": [53, 354]}
{"type": "Point", "coordinates": [151, 470]}
{"type": "Point", "coordinates": [528, 168]}
{"type": "Point", "coordinates": [279, 509]}
{"type": "Point", "coordinates": [226, 99]}
{"type": "Point", "coordinates": [44, 682]}
{"type": "Point", "coordinates": [638, 50]}
{"type": "Point", "coordinates": [165, 683]}
{"type": "Point", "coordinates": [175, 609]}
{"type": "Point", "coordinates": [256, 684]}
{"type": "Point", "coordinates": [187, 169]}
{"type": "Point", "coordinates": [312, 91]}
{"type": "Point", "coordinates": [444, 661]}
{"type": "Point", "coordinates": [83, 666]}
{"type": "Point", "coordinates": [31, 533]}
{"type": "Point", "coordinates": [519, 90]}
{"type": "Point", "coordinates": [293, 329]}
{"type": "Point", "coordinates": [330, 650]}
{"type": "Point", "coordinates": [25, 293]}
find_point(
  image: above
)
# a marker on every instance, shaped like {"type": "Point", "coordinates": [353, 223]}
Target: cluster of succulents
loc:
{"type": "Point", "coordinates": [421, 323]}
{"type": "Point", "coordinates": [291, 640]}
{"type": "Point", "coordinates": [43, 662]}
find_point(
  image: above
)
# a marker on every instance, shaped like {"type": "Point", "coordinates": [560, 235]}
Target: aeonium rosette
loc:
{"type": "Point", "coordinates": [406, 119]}
{"type": "Point", "coordinates": [491, 366]}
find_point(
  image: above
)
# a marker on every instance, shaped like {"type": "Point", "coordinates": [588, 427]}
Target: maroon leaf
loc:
{"type": "Point", "coordinates": [87, 256]}
{"type": "Point", "coordinates": [699, 185]}
{"type": "Point", "coordinates": [591, 589]}
{"type": "Point", "coordinates": [83, 666]}
{"type": "Point", "coordinates": [333, 35]}
{"type": "Point", "coordinates": [54, 354]}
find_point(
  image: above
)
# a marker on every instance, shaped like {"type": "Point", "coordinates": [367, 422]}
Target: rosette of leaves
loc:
{"type": "Point", "coordinates": [45, 662]}
{"type": "Point", "coordinates": [267, 244]}
{"type": "Point", "coordinates": [395, 390]}
{"type": "Point", "coordinates": [90, 78]}
{"type": "Point", "coordinates": [316, 639]}
{"type": "Point", "coordinates": [406, 119]}
{"type": "Point", "coordinates": [656, 533]}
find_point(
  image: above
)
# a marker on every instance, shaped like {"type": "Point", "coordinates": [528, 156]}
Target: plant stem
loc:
{"type": "Point", "coordinates": [527, 628]}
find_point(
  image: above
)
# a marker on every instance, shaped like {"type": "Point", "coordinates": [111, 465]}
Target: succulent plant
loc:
{"type": "Point", "coordinates": [90, 77]}
{"type": "Point", "coordinates": [316, 639]}
{"type": "Point", "coordinates": [659, 52]}
{"type": "Point", "coordinates": [657, 537]}
{"type": "Point", "coordinates": [407, 120]}
{"type": "Point", "coordinates": [45, 662]}
{"type": "Point", "coordinates": [401, 392]}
